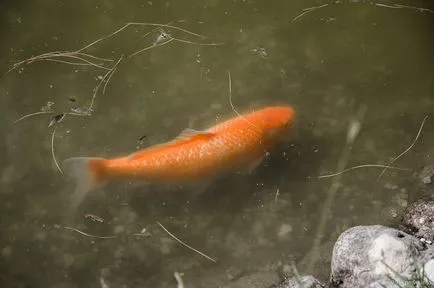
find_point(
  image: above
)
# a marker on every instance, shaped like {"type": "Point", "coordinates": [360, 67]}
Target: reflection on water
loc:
{"type": "Point", "coordinates": [326, 64]}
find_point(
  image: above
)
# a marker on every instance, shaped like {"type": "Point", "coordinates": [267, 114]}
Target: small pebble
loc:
{"type": "Point", "coordinates": [7, 251]}
{"type": "Point", "coordinates": [119, 229]}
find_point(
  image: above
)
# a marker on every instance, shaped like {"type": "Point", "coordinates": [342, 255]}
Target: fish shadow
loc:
{"type": "Point", "coordinates": [290, 164]}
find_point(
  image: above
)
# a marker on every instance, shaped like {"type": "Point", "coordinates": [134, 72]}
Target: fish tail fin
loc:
{"type": "Point", "coordinates": [88, 172]}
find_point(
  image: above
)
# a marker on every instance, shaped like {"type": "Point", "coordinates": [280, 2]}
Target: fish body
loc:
{"type": "Point", "coordinates": [237, 144]}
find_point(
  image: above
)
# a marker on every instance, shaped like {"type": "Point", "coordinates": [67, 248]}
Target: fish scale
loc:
{"type": "Point", "coordinates": [238, 142]}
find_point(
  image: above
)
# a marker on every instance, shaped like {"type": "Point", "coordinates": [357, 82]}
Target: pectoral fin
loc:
{"type": "Point", "coordinates": [252, 165]}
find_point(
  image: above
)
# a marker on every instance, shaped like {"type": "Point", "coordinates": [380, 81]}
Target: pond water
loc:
{"type": "Point", "coordinates": [328, 64]}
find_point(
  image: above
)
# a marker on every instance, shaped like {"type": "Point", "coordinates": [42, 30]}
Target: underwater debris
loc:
{"type": "Point", "coordinates": [56, 119]}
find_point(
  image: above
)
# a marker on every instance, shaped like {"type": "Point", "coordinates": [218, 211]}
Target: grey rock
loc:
{"type": "Point", "coordinates": [419, 219]}
{"type": "Point", "coordinates": [374, 256]}
{"type": "Point", "coordinates": [300, 282]}
{"type": "Point", "coordinates": [429, 270]}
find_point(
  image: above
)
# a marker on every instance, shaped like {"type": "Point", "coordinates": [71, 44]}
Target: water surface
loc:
{"type": "Point", "coordinates": [327, 64]}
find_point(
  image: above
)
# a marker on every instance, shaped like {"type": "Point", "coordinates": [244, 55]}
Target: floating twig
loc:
{"type": "Point", "coordinates": [150, 47]}
{"type": "Point", "coordinates": [185, 245]}
{"type": "Point", "coordinates": [400, 6]}
{"type": "Point", "coordinates": [406, 150]}
{"type": "Point", "coordinates": [393, 6]}
{"type": "Point", "coordinates": [336, 183]}
{"type": "Point", "coordinates": [52, 150]}
{"type": "Point", "coordinates": [277, 195]}
{"type": "Point", "coordinates": [33, 114]}
{"type": "Point", "coordinates": [56, 119]}
{"type": "Point", "coordinates": [232, 105]}
{"type": "Point", "coordinates": [88, 59]}
{"type": "Point", "coordinates": [179, 280]}
{"type": "Point", "coordinates": [89, 235]}
{"type": "Point", "coordinates": [112, 71]}
{"type": "Point", "coordinates": [62, 54]}
{"type": "Point", "coordinates": [197, 43]}
{"type": "Point", "coordinates": [308, 10]}
{"type": "Point", "coordinates": [362, 166]}
{"type": "Point", "coordinates": [103, 79]}
{"type": "Point", "coordinates": [94, 218]}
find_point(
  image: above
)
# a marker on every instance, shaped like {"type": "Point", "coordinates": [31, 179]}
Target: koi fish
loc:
{"type": "Point", "coordinates": [237, 144]}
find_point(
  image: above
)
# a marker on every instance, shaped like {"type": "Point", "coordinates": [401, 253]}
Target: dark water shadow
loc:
{"type": "Point", "coordinates": [289, 163]}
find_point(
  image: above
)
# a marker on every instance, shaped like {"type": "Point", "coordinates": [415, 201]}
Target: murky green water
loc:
{"type": "Point", "coordinates": [326, 64]}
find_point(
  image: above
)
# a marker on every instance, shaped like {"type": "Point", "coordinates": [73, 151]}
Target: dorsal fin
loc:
{"type": "Point", "coordinates": [190, 134]}
{"type": "Point", "coordinates": [185, 136]}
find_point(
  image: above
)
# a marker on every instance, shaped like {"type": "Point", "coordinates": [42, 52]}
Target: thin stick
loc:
{"type": "Point", "coordinates": [115, 67]}
{"type": "Point", "coordinates": [94, 57]}
{"type": "Point", "coordinates": [78, 54]}
{"type": "Point", "coordinates": [197, 43]}
{"type": "Point", "coordinates": [33, 114]}
{"type": "Point", "coordinates": [399, 6]}
{"type": "Point", "coordinates": [52, 150]}
{"type": "Point", "coordinates": [89, 235]}
{"type": "Point", "coordinates": [67, 54]}
{"type": "Point", "coordinates": [277, 195]}
{"type": "Point", "coordinates": [308, 10]}
{"type": "Point", "coordinates": [387, 6]}
{"type": "Point", "coordinates": [362, 166]}
{"type": "Point", "coordinates": [185, 245]}
{"type": "Point", "coordinates": [179, 280]}
{"type": "Point", "coordinates": [416, 8]}
{"type": "Point", "coordinates": [71, 55]}
{"type": "Point", "coordinates": [67, 62]}
{"type": "Point", "coordinates": [334, 187]}
{"type": "Point", "coordinates": [232, 105]}
{"type": "Point", "coordinates": [168, 26]}
{"type": "Point", "coordinates": [106, 76]}
{"type": "Point", "coordinates": [406, 150]}
{"type": "Point", "coordinates": [139, 24]}
{"type": "Point", "coordinates": [150, 47]}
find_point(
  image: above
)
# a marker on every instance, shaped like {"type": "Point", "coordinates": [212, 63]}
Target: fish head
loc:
{"type": "Point", "coordinates": [278, 119]}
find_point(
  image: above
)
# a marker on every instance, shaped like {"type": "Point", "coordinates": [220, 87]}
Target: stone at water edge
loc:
{"type": "Point", "coordinates": [305, 281]}
{"type": "Point", "coordinates": [361, 252]}
{"type": "Point", "coordinates": [419, 220]}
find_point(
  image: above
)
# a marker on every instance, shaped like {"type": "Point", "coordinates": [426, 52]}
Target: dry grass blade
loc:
{"type": "Point", "coordinates": [150, 47]}
{"type": "Point", "coordinates": [185, 245]}
{"type": "Point", "coordinates": [88, 235]}
{"type": "Point", "coordinates": [33, 114]}
{"type": "Point", "coordinates": [197, 43]}
{"type": "Point", "coordinates": [52, 150]}
{"type": "Point", "coordinates": [67, 62]}
{"type": "Point", "coordinates": [79, 55]}
{"type": "Point", "coordinates": [179, 281]}
{"type": "Point", "coordinates": [334, 188]}
{"type": "Point", "coordinates": [406, 150]}
{"type": "Point", "coordinates": [80, 58]}
{"type": "Point", "coordinates": [308, 10]}
{"type": "Point", "coordinates": [50, 56]}
{"type": "Point", "coordinates": [139, 24]}
{"type": "Point", "coordinates": [232, 105]}
{"type": "Point", "coordinates": [277, 195]}
{"type": "Point", "coordinates": [400, 6]}
{"type": "Point", "coordinates": [168, 26]}
{"type": "Point", "coordinates": [112, 71]}
{"type": "Point", "coordinates": [107, 76]}
{"type": "Point", "coordinates": [362, 166]}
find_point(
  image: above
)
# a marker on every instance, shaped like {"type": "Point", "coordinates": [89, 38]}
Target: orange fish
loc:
{"type": "Point", "coordinates": [237, 144]}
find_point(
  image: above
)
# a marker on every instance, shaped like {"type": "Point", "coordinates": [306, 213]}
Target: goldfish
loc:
{"type": "Point", "coordinates": [237, 144]}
